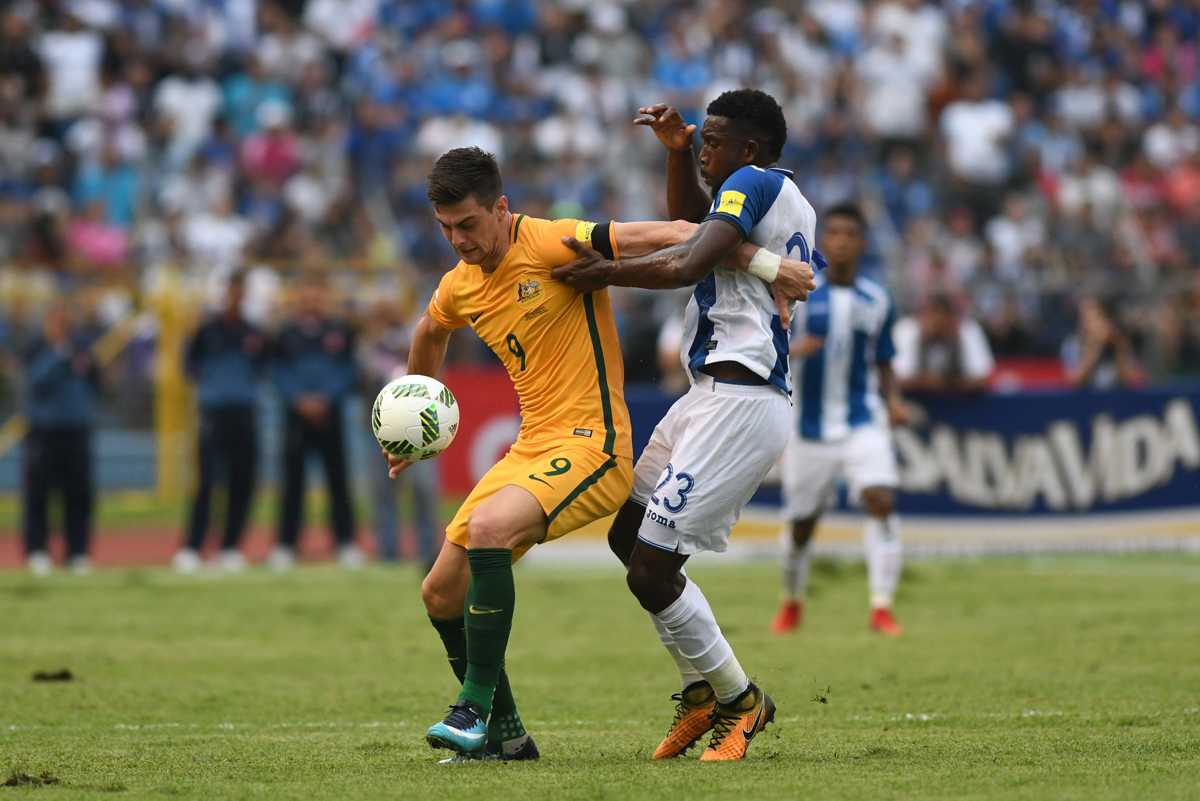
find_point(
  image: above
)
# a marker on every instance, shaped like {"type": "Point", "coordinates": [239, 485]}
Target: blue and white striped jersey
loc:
{"type": "Point", "coordinates": [839, 385]}
{"type": "Point", "coordinates": [732, 316]}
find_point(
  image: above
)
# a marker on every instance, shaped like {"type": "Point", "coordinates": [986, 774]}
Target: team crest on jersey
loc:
{"type": "Point", "coordinates": [528, 291]}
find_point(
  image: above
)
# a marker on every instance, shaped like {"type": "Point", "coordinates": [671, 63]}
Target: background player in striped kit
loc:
{"type": "Point", "coordinates": [847, 399]}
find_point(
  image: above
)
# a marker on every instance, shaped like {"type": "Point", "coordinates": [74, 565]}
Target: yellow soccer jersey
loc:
{"type": "Point", "coordinates": [559, 346]}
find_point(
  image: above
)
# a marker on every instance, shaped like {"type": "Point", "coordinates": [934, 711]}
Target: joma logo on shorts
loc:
{"type": "Point", "coordinates": [657, 518]}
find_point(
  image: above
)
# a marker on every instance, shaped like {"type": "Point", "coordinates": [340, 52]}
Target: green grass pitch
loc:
{"type": "Point", "coordinates": [1031, 678]}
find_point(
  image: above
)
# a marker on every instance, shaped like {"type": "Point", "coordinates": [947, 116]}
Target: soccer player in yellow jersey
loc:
{"type": "Point", "coordinates": [573, 459]}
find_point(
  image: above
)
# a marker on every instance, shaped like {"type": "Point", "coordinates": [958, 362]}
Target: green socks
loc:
{"type": "Point", "coordinates": [489, 615]}
{"type": "Point", "coordinates": [454, 640]}
{"type": "Point", "coordinates": [506, 721]}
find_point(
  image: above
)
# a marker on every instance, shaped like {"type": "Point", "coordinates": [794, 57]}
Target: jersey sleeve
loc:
{"type": "Point", "coordinates": [885, 348]}
{"type": "Point", "coordinates": [745, 198]}
{"type": "Point", "coordinates": [548, 246]}
{"type": "Point", "coordinates": [441, 307]}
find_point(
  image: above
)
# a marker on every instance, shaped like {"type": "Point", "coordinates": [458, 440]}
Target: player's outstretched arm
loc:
{"type": "Point", "coordinates": [425, 357]}
{"type": "Point", "coordinates": [638, 243]}
{"type": "Point", "coordinates": [793, 279]}
{"type": "Point", "coordinates": [677, 266]}
{"type": "Point", "coordinates": [428, 349]}
{"type": "Point", "coordinates": [686, 198]}
{"type": "Point", "coordinates": [636, 239]}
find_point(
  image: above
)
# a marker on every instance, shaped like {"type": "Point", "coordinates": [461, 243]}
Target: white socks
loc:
{"type": "Point", "coordinates": [881, 540]}
{"type": "Point", "coordinates": [693, 630]}
{"type": "Point", "coordinates": [795, 563]}
{"type": "Point", "coordinates": [688, 675]}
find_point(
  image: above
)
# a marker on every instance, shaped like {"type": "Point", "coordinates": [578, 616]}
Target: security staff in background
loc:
{"type": "Point", "coordinates": [225, 360]}
{"type": "Point", "coordinates": [314, 370]}
{"type": "Point", "coordinates": [62, 385]}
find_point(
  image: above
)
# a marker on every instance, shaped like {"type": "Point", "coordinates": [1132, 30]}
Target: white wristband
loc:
{"type": "Point", "coordinates": [765, 265]}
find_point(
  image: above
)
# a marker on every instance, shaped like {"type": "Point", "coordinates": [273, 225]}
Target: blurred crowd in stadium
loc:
{"type": "Point", "coordinates": [1030, 168]}
{"type": "Point", "coordinates": [1014, 155]}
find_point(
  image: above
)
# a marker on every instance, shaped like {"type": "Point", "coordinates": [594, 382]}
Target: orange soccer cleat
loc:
{"type": "Point", "coordinates": [788, 618]}
{"type": "Point", "coordinates": [883, 621]}
{"type": "Point", "coordinates": [736, 724]}
{"type": "Point", "coordinates": [693, 717]}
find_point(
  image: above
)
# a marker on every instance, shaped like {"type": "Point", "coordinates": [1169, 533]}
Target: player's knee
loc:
{"type": "Point", "coordinates": [879, 501]}
{"type": "Point", "coordinates": [651, 588]}
{"type": "Point", "coordinates": [618, 545]}
{"type": "Point", "coordinates": [641, 582]}
{"type": "Point", "coordinates": [622, 535]}
{"type": "Point", "coordinates": [488, 530]}
{"type": "Point", "coordinates": [438, 602]}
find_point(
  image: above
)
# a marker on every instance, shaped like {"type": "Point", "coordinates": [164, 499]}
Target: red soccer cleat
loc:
{"type": "Point", "coordinates": [883, 621]}
{"type": "Point", "coordinates": [789, 617]}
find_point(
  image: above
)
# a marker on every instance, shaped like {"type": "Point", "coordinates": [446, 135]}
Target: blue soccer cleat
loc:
{"type": "Point", "coordinates": [464, 730]}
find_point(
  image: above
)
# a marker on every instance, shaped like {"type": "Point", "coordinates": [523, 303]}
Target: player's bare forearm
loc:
{"type": "Point", "coordinates": [677, 266]}
{"type": "Point", "coordinates": [889, 387]}
{"type": "Point", "coordinates": [637, 239]}
{"type": "Point", "coordinates": [428, 347]}
{"type": "Point", "coordinates": [686, 198]}
{"type": "Point", "coordinates": [794, 280]}
{"type": "Point", "coordinates": [425, 357]}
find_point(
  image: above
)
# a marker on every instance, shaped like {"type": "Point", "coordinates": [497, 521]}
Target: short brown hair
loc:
{"type": "Point", "coordinates": [465, 172]}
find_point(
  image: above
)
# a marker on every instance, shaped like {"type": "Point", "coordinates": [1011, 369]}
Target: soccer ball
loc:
{"type": "Point", "coordinates": [415, 417]}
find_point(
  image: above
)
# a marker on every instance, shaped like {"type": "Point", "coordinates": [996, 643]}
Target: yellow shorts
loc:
{"type": "Point", "coordinates": [574, 484]}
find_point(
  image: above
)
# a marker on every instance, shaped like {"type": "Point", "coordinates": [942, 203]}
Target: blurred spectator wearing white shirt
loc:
{"type": "Point", "coordinates": [1016, 237]}
{"type": "Point", "coordinates": [941, 352]}
{"type": "Point", "coordinates": [72, 58]}
{"type": "Point", "coordinates": [976, 129]}
{"type": "Point", "coordinates": [187, 103]}
{"type": "Point", "coordinates": [217, 239]}
{"type": "Point", "coordinates": [895, 90]}
{"type": "Point", "coordinates": [921, 26]}
{"type": "Point", "coordinates": [1171, 141]}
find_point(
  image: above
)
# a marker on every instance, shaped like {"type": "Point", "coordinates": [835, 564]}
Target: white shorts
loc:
{"type": "Point", "coordinates": [704, 461]}
{"type": "Point", "coordinates": [811, 469]}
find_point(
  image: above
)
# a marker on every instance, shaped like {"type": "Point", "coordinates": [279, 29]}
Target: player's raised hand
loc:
{"type": "Point", "coordinates": [668, 125]}
{"type": "Point", "coordinates": [396, 465]}
{"type": "Point", "coordinates": [587, 273]}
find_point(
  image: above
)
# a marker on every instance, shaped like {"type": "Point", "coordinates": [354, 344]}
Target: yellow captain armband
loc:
{"type": "Point", "coordinates": [583, 231]}
{"type": "Point", "coordinates": [599, 236]}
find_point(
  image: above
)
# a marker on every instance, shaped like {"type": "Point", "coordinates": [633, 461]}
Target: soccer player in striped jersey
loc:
{"type": "Point", "coordinates": [709, 453]}
{"type": "Point", "coordinates": [848, 399]}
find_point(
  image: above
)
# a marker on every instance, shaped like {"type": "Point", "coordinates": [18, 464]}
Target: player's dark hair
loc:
{"type": "Point", "coordinates": [758, 114]}
{"type": "Point", "coordinates": [849, 211]}
{"type": "Point", "coordinates": [465, 172]}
